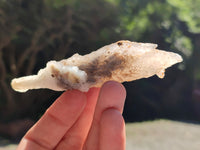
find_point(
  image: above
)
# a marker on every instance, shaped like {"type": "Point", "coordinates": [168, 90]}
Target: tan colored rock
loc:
{"type": "Point", "coordinates": [121, 61]}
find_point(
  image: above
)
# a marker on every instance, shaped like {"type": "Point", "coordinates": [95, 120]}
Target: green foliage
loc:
{"type": "Point", "coordinates": [58, 3]}
{"type": "Point", "coordinates": [188, 11]}
{"type": "Point", "coordinates": [180, 42]}
{"type": "Point", "coordinates": [173, 24]}
{"type": "Point", "coordinates": [164, 20]}
{"type": "Point", "coordinates": [34, 32]}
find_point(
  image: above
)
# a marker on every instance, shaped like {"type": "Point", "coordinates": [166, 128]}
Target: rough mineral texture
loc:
{"type": "Point", "coordinates": [121, 61]}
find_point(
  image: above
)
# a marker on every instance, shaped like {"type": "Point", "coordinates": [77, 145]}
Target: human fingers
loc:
{"type": "Point", "coordinates": [112, 130]}
{"type": "Point", "coordinates": [56, 121]}
{"type": "Point", "coordinates": [112, 95]}
{"type": "Point", "coordinates": [77, 134]}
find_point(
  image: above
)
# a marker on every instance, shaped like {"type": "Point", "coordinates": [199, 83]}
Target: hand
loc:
{"type": "Point", "coordinates": [81, 121]}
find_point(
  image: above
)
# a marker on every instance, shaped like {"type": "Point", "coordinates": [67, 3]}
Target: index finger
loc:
{"type": "Point", "coordinates": [112, 95]}
{"type": "Point", "coordinates": [56, 121]}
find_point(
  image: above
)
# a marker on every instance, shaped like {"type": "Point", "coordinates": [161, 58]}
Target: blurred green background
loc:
{"type": "Point", "coordinates": [33, 32]}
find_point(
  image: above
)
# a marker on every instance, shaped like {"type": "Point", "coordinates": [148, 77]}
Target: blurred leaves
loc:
{"type": "Point", "coordinates": [34, 32]}
{"type": "Point", "coordinates": [188, 11]}
{"type": "Point", "coordinates": [173, 25]}
{"type": "Point", "coordinates": [59, 3]}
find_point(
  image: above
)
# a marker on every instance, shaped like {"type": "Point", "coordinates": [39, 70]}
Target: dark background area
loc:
{"type": "Point", "coordinates": [33, 32]}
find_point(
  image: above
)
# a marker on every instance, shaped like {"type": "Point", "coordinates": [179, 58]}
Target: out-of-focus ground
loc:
{"type": "Point", "coordinates": [163, 134]}
{"type": "Point", "coordinates": [8, 147]}
{"type": "Point", "coordinates": [153, 135]}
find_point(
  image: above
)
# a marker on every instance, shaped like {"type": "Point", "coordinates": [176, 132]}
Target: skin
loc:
{"type": "Point", "coordinates": [81, 121]}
